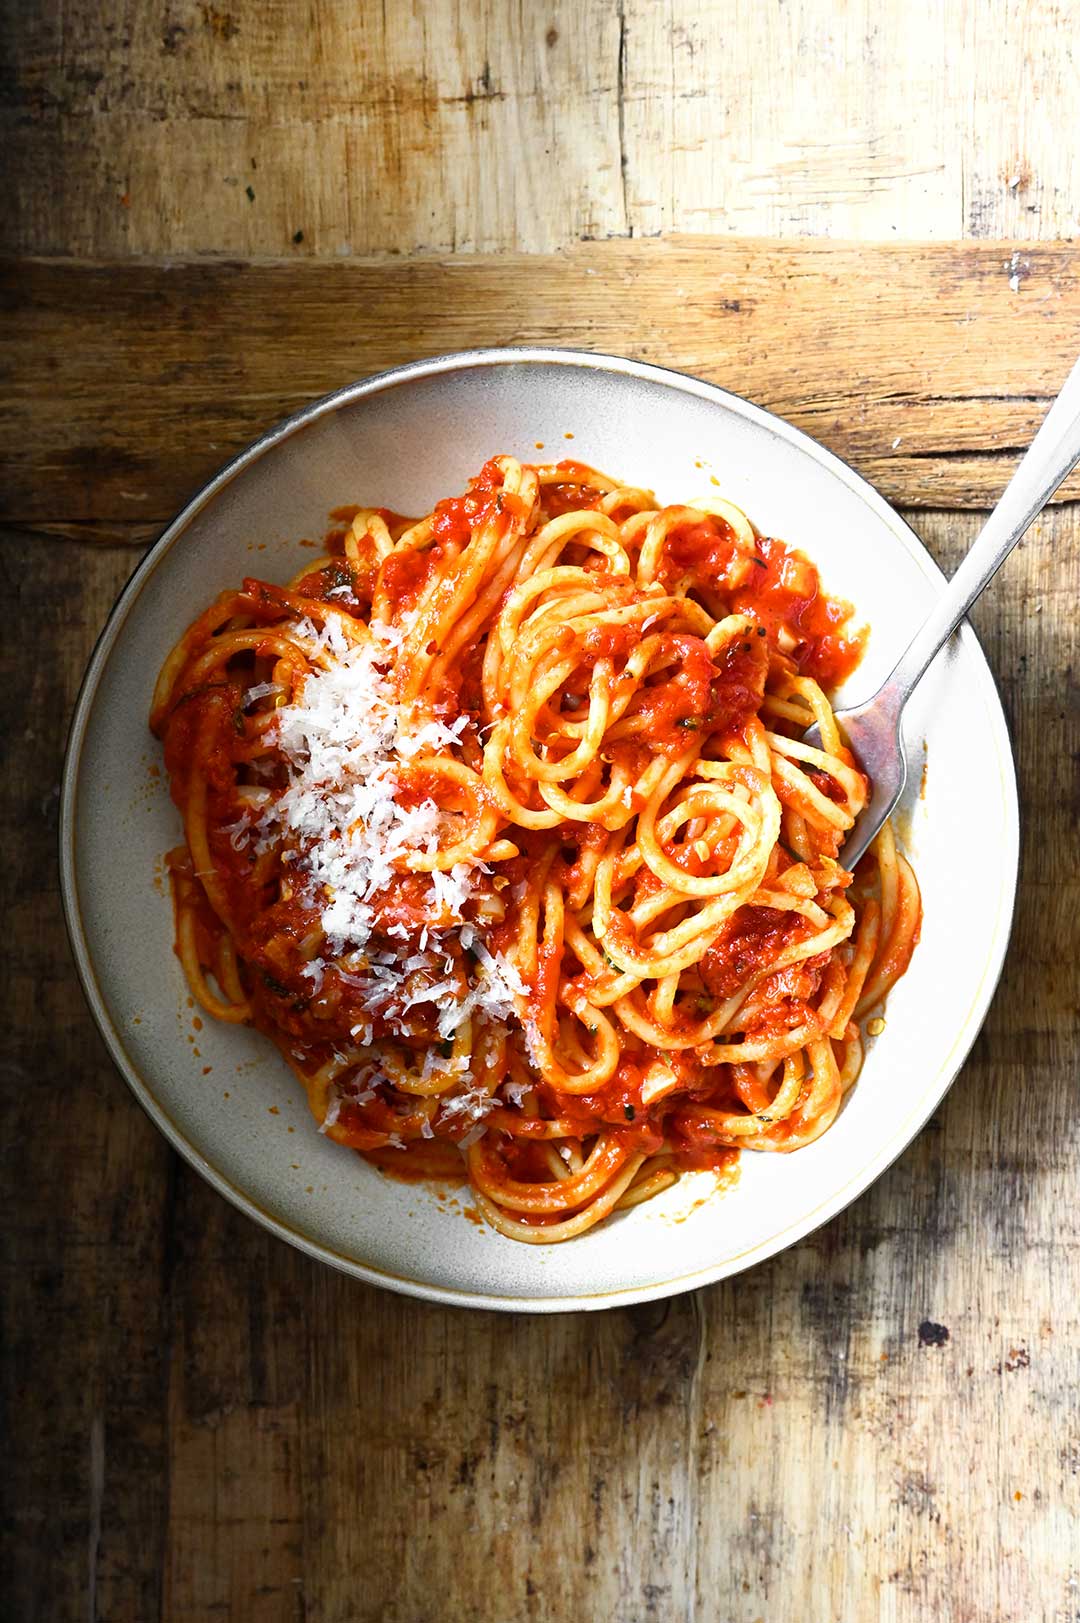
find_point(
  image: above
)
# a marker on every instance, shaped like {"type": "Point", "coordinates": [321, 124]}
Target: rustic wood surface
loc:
{"type": "Point", "coordinates": [881, 1423]}
{"type": "Point", "coordinates": [922, 365]}
{"type": "Point", "coordinates": [878, 1423]}
{"type": "Point", "coordinates": [328, 127]}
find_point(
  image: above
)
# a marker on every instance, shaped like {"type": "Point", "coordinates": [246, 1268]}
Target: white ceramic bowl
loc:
{"type": "Point", "coordinates": [402, 440]}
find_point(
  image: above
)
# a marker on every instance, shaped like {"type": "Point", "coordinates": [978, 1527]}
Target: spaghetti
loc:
{"type": "Point", "coordinates": [500, 824]}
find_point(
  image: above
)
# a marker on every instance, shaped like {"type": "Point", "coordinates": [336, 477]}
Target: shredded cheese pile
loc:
{"type": "Point", "coordinates": [342, 741]}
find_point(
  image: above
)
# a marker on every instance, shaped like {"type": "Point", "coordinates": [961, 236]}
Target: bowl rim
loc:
{"type": "Point", "coordinates": [379, 382]}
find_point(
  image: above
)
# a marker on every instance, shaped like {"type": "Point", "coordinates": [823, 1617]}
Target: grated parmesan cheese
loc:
{"type": "Point", "coordinates": [473, 1104]}
{"type": "Point", "coordinates": [239, 832]}
{"type": "Point", "coordinates": [333, 1111]}
{"type": "Point", "coordinates": [342, 740]}
{"type": "Point", "coordinates": [261, 690]}
{"type": "Point", "coordinates": [532, 1043]}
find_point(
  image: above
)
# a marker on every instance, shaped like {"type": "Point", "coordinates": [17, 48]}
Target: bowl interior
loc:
{"type": "Point", "coordinates": [224, 1096]}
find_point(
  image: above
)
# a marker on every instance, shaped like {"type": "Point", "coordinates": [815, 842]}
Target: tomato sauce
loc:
{"type": "Point", "coordinates": [708, 549]}
{"type": "Point", "coordinates": [751, 939]}
{"type": "Point", "coordinates": [571, 494]}
{"type": "Point", "coordinates": [689, 694]}
{"type": "Point", "coordinates": [404, 575]}
{"type": "Point", "coordinates": [427, 1162]}
{"type": "Point", "coordinates": [781, 592]}
{"type": "Point", "coordinates": [784, 590]}
{"type": "Point", "coordinates": [738, 687]}
{"type": "Point", "coordinates": [705, 1156]}
{"type": "Point", "coordinates": [704, 694]}
{"type": "Point", "coordinates": [617, 1107]}
{"type": "Point", "coordinates": [693, 1138]}
{"type": "Point", "coordinates": [611, 642]}
{"type": "Point", "coordinates": [827, 784]}
{"type": "Point", "coordinates": [455, 519]}
{"type": "Point", "coordinates": [525, 1160]}
{"type": "Point", "coordinates": [782, 1000]}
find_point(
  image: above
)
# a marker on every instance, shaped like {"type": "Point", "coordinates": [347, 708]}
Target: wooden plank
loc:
{"type": "Point", "coordinates": [787, 1444]}
{"type": "Point", "coordinates": [127, 385]}
{"type": "Point", "coordinates": [202, 1422]}
{"type": "Point", "coordinates": [242, 1334]}
{"type": "Point", "coordinates": [85, 1242]}
{"type": "Point", "coordinates": [241, 126]}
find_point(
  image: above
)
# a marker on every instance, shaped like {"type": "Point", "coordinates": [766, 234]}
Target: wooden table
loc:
{"type": "Point", "coordinates": [880, 1423]}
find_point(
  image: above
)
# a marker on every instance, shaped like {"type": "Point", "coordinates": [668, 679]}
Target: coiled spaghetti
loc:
{"type": "Point", "coordinates": [499, 822]}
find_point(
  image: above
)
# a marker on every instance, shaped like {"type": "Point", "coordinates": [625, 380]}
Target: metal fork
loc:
{"type": "Point", "coordinates": [872, 729]}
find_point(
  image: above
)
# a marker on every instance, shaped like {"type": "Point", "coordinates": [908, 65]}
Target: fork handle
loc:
{"type": "Point", "coordinates": [1052, 454]}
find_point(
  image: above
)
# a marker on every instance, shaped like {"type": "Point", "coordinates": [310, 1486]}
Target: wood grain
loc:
{"type": "Point", "coordinates": [201, 1422]}
{"type": "Point", "coordinates": [328, 127]}
{"type": "Point", "coordinates": [920, 365]}
{"type": "Point", "coordinates": [220, 1427]}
